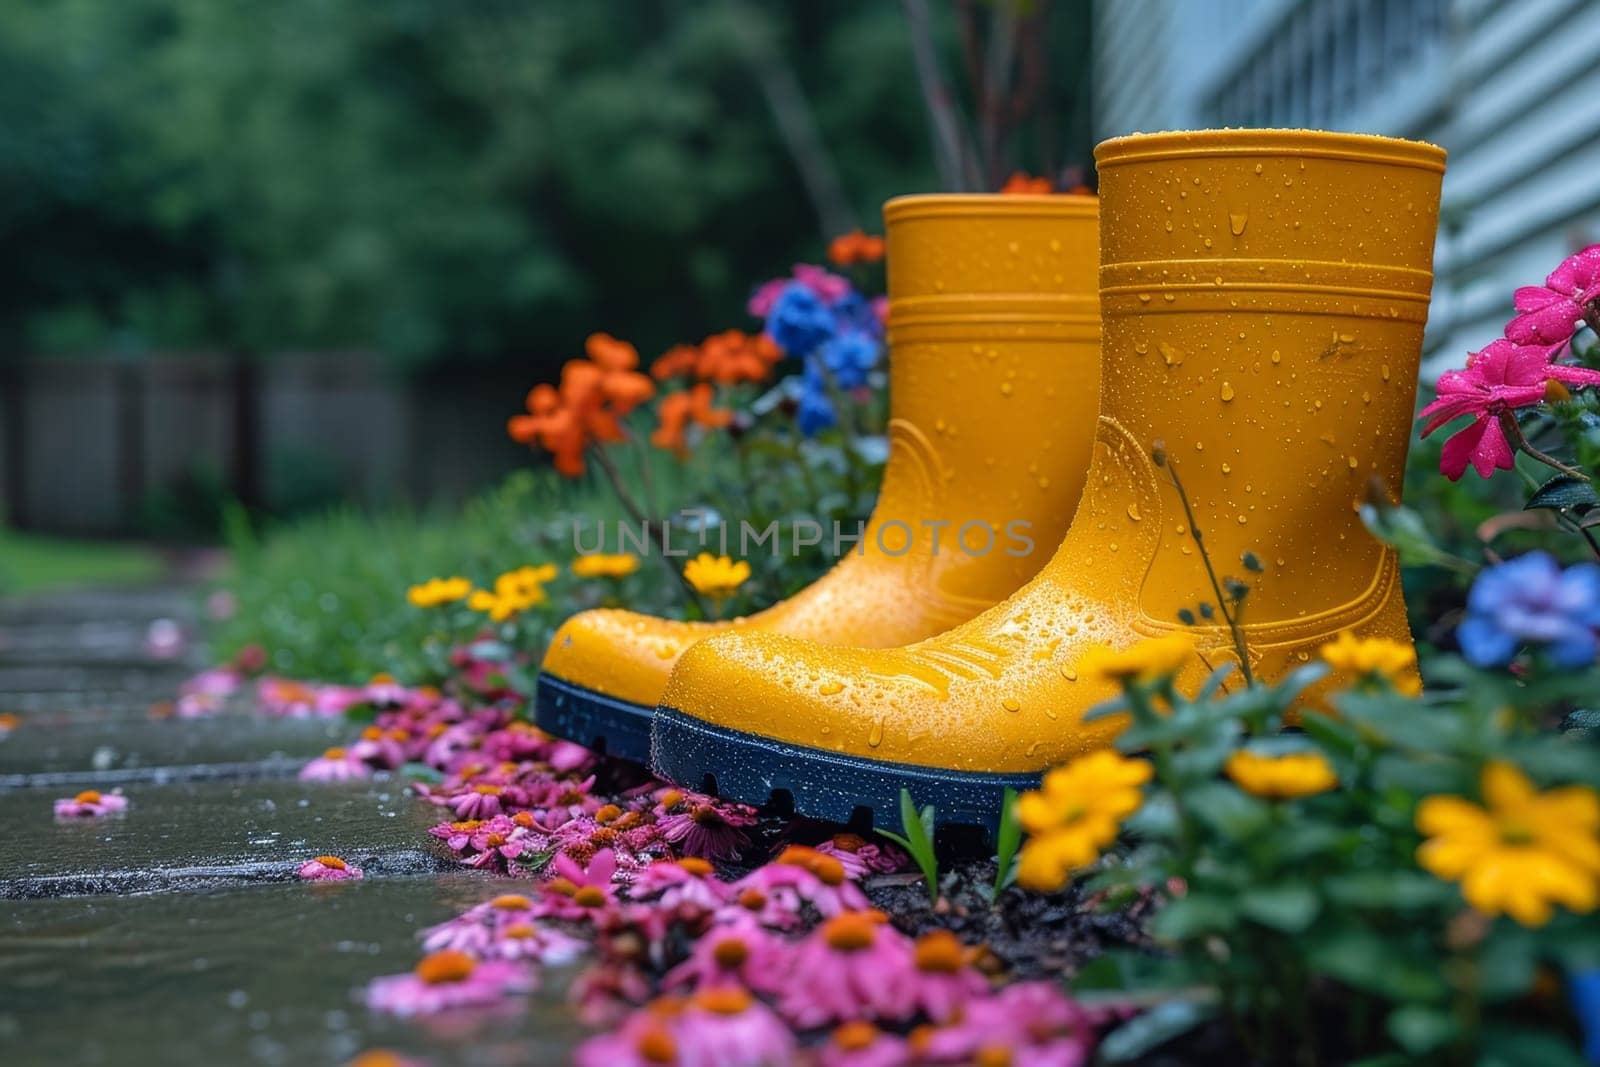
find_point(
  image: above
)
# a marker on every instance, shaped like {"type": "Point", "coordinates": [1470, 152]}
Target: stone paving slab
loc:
{"type": "Point", "coordinates": [205, 833]}
{"type": "Point", "coordinates": [86, 744]}
{"type": "Point", "coordinates": [261, 975]}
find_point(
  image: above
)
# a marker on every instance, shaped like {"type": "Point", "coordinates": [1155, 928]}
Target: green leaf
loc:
{"type": "Point", "coordinates": [1126, 970]}
{"type": "Point", "coordinates": [1228, 810]}
{"type": "Point", "coordinates": [1192, 916]}
{"type": "Point", "coordinates": [1007, 836]}
{"type": "Point", "coordinates": [1363, 960]}
{"type": "Point", "coordinates": [1290, 908]}
{"type": "Point", "coordinates": [1564, 493]}
{"type": "Point", "coordinates": [1420, 1029]}
{"type": "Point", "coordinates": [1388, 890]}
{"type": "Point", "coordinates": [1508, 1046]}
{"type": "Point", "coordinates": [421, 772]}
{"type": "Point", "coordinates": [1153, 1029]}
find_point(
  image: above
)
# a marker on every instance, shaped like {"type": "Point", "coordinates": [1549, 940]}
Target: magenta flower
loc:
{"type": "Point", "coordinates": [860, 857]}
{"type": "Point", "coordinates": [860, 1044]}
{"type": "Point", "coordinates": [853, 966]}
{"type": "Point", "coordinates": [503, 928]}
{"type": "Point", "coordinates": [738, 953]}
{"type": "Point", "coordinates": [328, 869]}
{"type": "Point", "coordinates": [714, 1028]}
{"type": "Point", "coordinates": [448, 979]}
{"type": "Point", "coordinates": [335, 765]}
{"type": "Point", "coordinates": [1548, 314]}
{"type": "Point", "coordinates": [671, 884]}
{"type": "Point", "coordinates": [707, 829]}
{"type": "Point", "coordinates": [777, 892]}
{"type": "Point", "coordinates": [940, 983]}
{"type": "Point", "coordinates": [91, 804]}
{"type": "Point", "coordinates": [501, 841]}
{"type": "Point", "coordinates": [828, 286]}
{"type": "Point", "coordinates": [1028, 1023]}
{"type": "Point", "coordinates": [579, 893]}
{"type": "Point", "coordinates": [477, 802]}
{"type": "Point", "coordinates": [458, 835]}
{"type": "Point", "coordinates": [1500, 379]}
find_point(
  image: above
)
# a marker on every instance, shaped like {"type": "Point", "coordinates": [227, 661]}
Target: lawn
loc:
{"type": "Point", "coordinates": [30, 562]}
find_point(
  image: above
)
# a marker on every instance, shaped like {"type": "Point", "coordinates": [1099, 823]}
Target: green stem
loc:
{"type": "Point", "coordinates": [631, 506]}
{"type": "Point", "coordinates": [1211, 572]}
{"type": "Point", "coordinates": [1513, 430]}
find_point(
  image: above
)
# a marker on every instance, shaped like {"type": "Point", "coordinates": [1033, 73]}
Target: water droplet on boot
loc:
{"type": "Point", "coordinates": [1236, 223]}
{"type": "Point", "coordinates": [1011, 704]}
{"type": "Point", "coordinates": [875, 735]}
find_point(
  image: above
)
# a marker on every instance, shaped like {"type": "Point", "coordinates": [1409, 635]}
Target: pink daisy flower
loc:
{"type": "Point", "coordinates": [799, 876]}
{"type": "Point", "coordinates": [940, 983]}
{"type": "Point", "coordinates": [458, 835]}
{"type": "Point", "coordinates": [740, 953]}
{"type": "Point", "coordinates": [477, 802]}
{"type": "Point", "coordinates": [1548, 314]}
{"type": "Point", "coordinates": [328, 869]}
{"type": "Point", "coordinates": [854, 966]}
{"type": "Point", "coordinates": [579, 893]}
{"type": "Point", "coordinates": [860, 1044]}
{"type": "Point", "coordinates": [715, 1028]}
{"type": "Point", "coordinates": [708, 829]}
{"type": "Point", "coordinates": [1028, 1023]}
{"type": "Point", "coordinates": [448, 979]}
{"type": "Point", "coordinates": [91, 804]}
{"type": "Point", "coordinates": [503, 928]}
{"type": "Point", "coordinates": [861, 857]}
{"type": "Point", "coordinates": [1499, 380]}
{"type": "Point", "coordinates": [672, 884]}
{"type": "Point", "coordinates": [335, 765]}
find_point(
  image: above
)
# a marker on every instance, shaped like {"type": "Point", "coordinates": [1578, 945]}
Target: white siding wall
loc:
{"type": "Point", "coordinates": [1510, 87]}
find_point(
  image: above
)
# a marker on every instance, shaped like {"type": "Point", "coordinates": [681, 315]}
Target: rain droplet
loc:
{"type": "Point", "coordinates": [1011, 704]}
{"type": "Point", "coordinates": [829, 689]}
{"type": "Point", "coordinates": [1227, 392]}
{"type": "Point", "coordinates": [1236, 223]}
{"type": "Point", "coordinates": [1133, 512]}
{"type": "Point", "coordinates": [1172, 355]}
{"type": "Point", "coordinates": [875, 735]}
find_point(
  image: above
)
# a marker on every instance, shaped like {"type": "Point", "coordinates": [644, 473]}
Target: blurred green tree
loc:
{"type": "Point", "coordinates": [491, 179]}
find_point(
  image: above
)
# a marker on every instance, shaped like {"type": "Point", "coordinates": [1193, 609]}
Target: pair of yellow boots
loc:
{"type": "Point", "coordinates": [1254, 329]}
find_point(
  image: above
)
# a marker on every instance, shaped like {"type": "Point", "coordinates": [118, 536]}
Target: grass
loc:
{"type": "Point", "coordinates": [29, 563]}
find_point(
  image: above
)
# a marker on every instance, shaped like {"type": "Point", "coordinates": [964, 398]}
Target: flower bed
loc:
{"type": "Point", "coordinates": [1259, 873]}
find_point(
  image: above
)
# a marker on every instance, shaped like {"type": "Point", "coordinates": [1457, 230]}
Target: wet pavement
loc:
{"type": "Point", "coordinates": [178, 932]}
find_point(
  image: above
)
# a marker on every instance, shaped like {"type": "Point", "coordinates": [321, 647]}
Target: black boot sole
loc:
{"type": "Point", "coordinates": [818, 783]}
{"type": "Point", "coordinates": [616, 728]}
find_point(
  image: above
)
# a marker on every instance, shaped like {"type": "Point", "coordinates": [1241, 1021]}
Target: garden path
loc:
{"type": "Point", "coordinates": [178, 931]}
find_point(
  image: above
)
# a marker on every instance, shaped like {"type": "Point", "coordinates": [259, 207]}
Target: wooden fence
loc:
{"type": "Point", "coordinates": [87, 444]}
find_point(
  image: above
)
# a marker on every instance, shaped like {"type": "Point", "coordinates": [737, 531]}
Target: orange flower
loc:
{"type": "Point", "coordinates": [675, 362]}
{"type": "Point", "coordinates": [678, 410]}
{"type": "Point", "coordinates": [593, 393]}
{"type": "Point", "coordinates": [1020, 184]}
{"type": "Point", "coordinates": [735, 356]}
{"type": "Point", "coordinates": [855, 247]}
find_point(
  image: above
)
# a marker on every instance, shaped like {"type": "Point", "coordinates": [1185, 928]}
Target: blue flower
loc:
{"type": "Point", "coordinates": [1530, 600]}
{"type": "Point", "coordinates": [800, 322]}
{"type": "Point", "coordinates": [1584, 988]}
{"type": "Point", "coordinates": [849, 356]}
{"type": "Point", "coordinates": [854, 312]}
{"type": "Point", "coordinates": [816, 406]}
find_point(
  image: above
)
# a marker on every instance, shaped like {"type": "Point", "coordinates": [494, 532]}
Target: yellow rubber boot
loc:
{"type": "Point", "coordinates": [994, 332]}
{"type": "Point", "coordinates": [1264, 295]}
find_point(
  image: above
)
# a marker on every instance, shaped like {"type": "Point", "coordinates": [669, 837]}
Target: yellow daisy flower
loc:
{"type": "Point", "coordinates": [1368, 657]}
{"type": "Point", "coordinates": [1520, 851]}
{"type": "Point", "coordinates": [1147, 661]}
{"type": "Point", "coordinates": [436, 591]}
{"type": "Point", "coordinates": [716, 576]}
{"type": "Point", "coordinates": [605, 565]}
{"type": "Point", "coordinates": [1298, 774]}
{"type": "Point", "coordinates": [1075, 814]}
